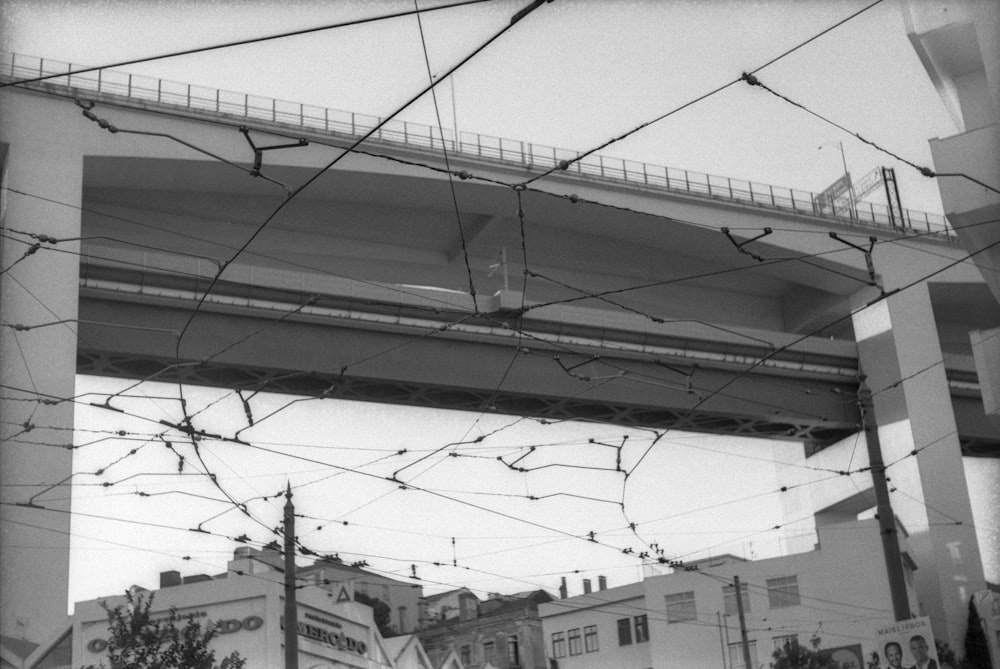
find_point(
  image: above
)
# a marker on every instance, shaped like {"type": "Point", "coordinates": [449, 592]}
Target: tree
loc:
{"type": "Point", "coordinates": [139, 641]}
{"type": "Point", "coordinates": [383, 614]}
{"type": "Point", "coordinates": [977, 651]}
{"type": "Point", "coordinates": [796, 656]}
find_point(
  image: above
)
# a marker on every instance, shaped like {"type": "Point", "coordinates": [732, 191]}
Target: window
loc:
{"type": "Point", "coordinates": [574, 641]}
{"type": "Point", "coordinates": [736, 655]}
{"type": "Point", "coordinates": [558, 644]}
{"type": "Point", "coordinates": [641, 629]}
{"type": "Point", "coordinates": [782, 592]}
{"type": "Point", "coordinates": [680, 606]}
{"type": "Point", "coordinates": [466, 654]}
{"type": "Point", "coordinates": [488, 650]}
{"type": "Point", "coordinates": [513, 656]}
{"type": "Point", "coordinates": [729, 598]}
{"type": "Point", "coordinates": [624, 632]}
{"type": "Point", "coordinates": [402, 619]}
{"type": "Point", "coordinates": [787, 640]}
{"type": "Point", "coordinates": [590, 638]}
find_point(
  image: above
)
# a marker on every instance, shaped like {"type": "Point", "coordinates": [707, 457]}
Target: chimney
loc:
{"type": "Point", "coordinates": [168, 579]}
{"type": "Point", "coordinates": [562, 589]}
{"type": "Point", "coordinates": [586, 586]}
{"type": "Point", "coordinates": [602, 582]}
{"type": "Point", "coordinates": [468, 606]}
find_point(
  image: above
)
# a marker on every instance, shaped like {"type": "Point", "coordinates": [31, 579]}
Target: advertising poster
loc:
{"type": "Point", "coordinates": [907, 644]}
{"type": "Point", "coordinates": [846, 657]}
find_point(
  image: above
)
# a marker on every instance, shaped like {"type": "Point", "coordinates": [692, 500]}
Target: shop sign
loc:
{"type": "Point", "coordinates": [227, 626]}
{"type": "Point", "coordinates": [336, 640]}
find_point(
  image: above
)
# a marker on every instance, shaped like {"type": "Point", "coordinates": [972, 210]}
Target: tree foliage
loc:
{"type": "Point", "coordinates": [137, 640]}
{"type": "Point", "coordinates": [383, 613]}
{"type": "Point", "coordinates": [796, 656]}
{"type": "Point", "coordinates": [977, 650]}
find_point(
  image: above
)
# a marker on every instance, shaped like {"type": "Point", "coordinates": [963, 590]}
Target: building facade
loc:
{"type": "Point", "coordinates": [341, 580]}
{"type": "Point", "coordinates": [689, 618]}
{"type": "Point", "coordinates": [503, 632]}
{"type": "Point", "coordinates": [248, 612]}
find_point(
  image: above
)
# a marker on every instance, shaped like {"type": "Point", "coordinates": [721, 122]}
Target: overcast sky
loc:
{"type": "Point", "coordinates": [572, 75]}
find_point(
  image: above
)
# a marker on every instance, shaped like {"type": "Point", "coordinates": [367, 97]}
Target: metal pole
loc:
{"type": "Point", "coordinates": [454, 114]}
{"type": "Point", "coordinates": [886, 518]}
{"type": "Point", "coordinates": [503, 258]}
{"type": "Point", "coordinates": [743, 624]}
{"type": "Point", "coordinates": [850, 184]}
{"type": "Point", "coordinates": [291, 606]}
{"type": "Point", "coordinates": [722, 642]}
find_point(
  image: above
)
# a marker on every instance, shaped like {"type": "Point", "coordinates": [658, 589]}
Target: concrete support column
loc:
{"type": "Point", "coordinates": [37, 366]}
{"type": "Point", "coordinates": [899, 351]}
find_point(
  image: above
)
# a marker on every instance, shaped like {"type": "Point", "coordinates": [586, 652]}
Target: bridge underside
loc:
{"type": "Point", "coordinates": [360, 291]}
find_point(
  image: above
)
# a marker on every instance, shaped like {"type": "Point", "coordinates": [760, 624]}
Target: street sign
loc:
{"type": "Point", "coordinates": [835, 191]}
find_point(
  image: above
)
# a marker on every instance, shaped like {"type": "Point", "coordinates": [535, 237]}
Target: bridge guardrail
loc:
{"type": "Point", "coordinates": [352, 124]}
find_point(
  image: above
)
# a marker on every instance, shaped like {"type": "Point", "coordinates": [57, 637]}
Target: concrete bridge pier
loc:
{"type": "Point", "coordinates": [39, 291]}
{"type": "Point", "coordinates": [897, 339]}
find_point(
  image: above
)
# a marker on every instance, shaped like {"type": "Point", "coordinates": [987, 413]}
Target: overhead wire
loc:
{"type": "Point", "coordinates": [526, 264]}
{"type": "Point", "coordinates": [241, 42]}
{"type": "Point", "coordinates": [752, 80]}
{"type": "Point", "coordinates": [564, 164]}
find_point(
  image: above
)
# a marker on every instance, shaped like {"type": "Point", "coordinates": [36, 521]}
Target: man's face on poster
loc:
{"type": "Point", "coordinates": [894, 655]}
{"type": "Point", "coordinates": [919, 649]}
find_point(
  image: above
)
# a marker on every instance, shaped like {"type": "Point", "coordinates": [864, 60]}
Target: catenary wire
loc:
{"type": "Point", "coordinates": [243, 42]}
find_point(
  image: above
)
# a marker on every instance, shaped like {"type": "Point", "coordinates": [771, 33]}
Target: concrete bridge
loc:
{"type": "Point", "coordinates": [625, 293]}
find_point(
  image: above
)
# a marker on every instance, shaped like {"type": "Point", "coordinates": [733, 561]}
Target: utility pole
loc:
{"type": "Point", "coordinates": [291, 606]}
{"type": "Point", "coordinates": [743, 623]}
{"type": "Point", "coordinates": [722, 643]}
{"type": "Point", "coordinates": [886, 518]}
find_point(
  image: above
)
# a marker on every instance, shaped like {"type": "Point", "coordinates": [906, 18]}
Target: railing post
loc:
{"type": "Point", "coordinates": [326, 118]}
{"type": "Point", "coordinates": [274, 109]}
{"type": "Point", "coordinates": [645, 177]}
{"type": "Point", "coordinates": [189, 96]}
{"type": "Point", "coordinates": [708, 180]}
{"type": "Point", "coordinates": [353, 131]}
{"type": "Point", "coordinates": [246, 104]}
{"type": "Point", "coordinates": [730, 182]}
{"type": "Point", "coordinates": [217, 107]}
{"type": "Point", "coordinates": [99, 73]}
{"type": "Point", "coordinates": [301, 115]}
{"type": "Point", "coordinates": [13, 59]}
{"type": "Point", "coordinates": [130, 85]}
{"type": "Point", "coordinates": [792, 194]}
{"type": "Point", "coordinates": [523, 161]}
{"type": "Point", "coordinates": [159, 89]}
{"type": "Point", "coordinates": [771, 189]}
{"type": "Point", "coordinates": [41, 67]}
{"type": "Point", "coordinates": [750, 187]}
{"type": "Point", "coordinates": [406, 136]}
{"type": "Point", "coordinates": [600, 161]}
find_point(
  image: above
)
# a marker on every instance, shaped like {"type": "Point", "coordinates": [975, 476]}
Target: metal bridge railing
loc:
{"type": "Point", "coordinates": [417, 135]}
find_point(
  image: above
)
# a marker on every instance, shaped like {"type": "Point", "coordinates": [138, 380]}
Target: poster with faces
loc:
{"type": "Point", "coordinates": [907, 644]}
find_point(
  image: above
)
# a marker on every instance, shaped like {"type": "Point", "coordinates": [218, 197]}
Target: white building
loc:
{"type": "Point", "coordinates": [248, 609]}
{"type": "Point", "coordinates": [689, 618]}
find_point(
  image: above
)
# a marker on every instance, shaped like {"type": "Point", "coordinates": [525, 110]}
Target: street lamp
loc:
{"type": "Point", "coordinates": [850, 184]}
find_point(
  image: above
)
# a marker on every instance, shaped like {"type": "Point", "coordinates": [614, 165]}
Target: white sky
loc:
{"type": "Point", "coordinates": [571, 75]}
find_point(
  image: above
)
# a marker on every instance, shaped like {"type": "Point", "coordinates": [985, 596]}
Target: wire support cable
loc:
{"type": "Point", "coordinates": [752, 80]}
{"type": "Point", "coordinates": [529, 8]}
{"type": "Point", "coordinates": [564, 164]}
{"type": "Point", "coordinates": [242, 42]}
